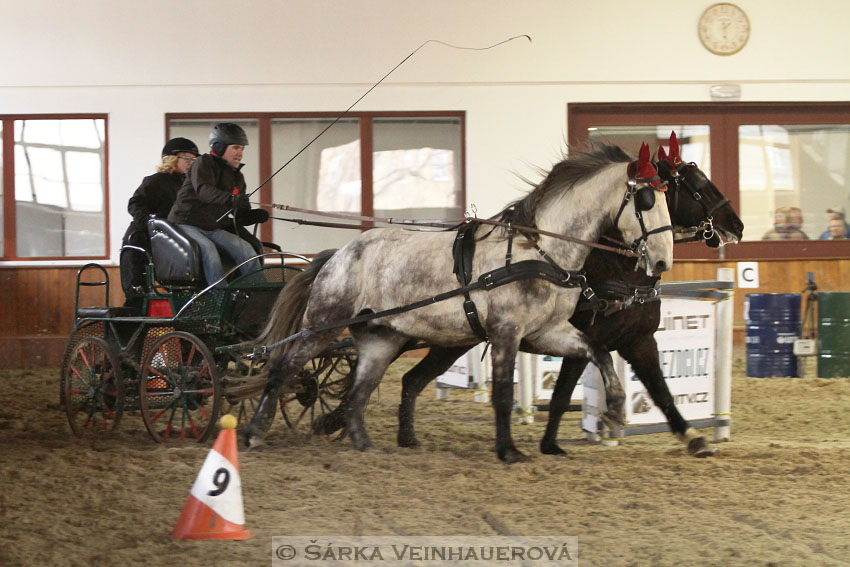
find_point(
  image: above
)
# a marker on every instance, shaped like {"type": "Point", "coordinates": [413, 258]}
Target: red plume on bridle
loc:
{"type": "Point", "coordinates": [645, 169]}
{"type": "Point", "coordinates": [674, 158]}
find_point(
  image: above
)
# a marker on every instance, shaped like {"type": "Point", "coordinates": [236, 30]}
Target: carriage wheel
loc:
{"type": "Point", "coordinates": [234, 373]}
{"type": "Point", "coordinates": [319, 389]}
{"type": "Point", "coordinates": [92, 388]}
{"type": "Point", "coordinates": [179, 389]}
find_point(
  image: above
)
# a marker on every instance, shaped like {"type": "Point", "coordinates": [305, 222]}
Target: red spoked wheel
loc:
{"type": "Point", "coordinates": [318, 390]}
{"type": "Point", "coordinates": [92, 388]}
{"type": "Point", "coordinates": [179, 388]}
{"type": "Point", "coordinates": [235, 373]}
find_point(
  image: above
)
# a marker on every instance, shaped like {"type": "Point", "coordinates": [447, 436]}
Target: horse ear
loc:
{"type": "Point", "coordinates": [643, 154]}
{"type": "Point", "coordinates": [674, 157]}
{"type": "Point", "coordinates": [662, 155]}
{"type": "Point", "coordinates": [645, 169]}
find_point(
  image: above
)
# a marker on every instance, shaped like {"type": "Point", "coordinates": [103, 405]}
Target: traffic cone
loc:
{"type": "Point", "coordinates": [214, 508]}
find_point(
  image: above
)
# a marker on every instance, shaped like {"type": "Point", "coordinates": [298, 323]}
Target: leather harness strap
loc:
{"type": "Point", "coordinates": [615, 296]}
{"type": "Point", "coordinates": [463, 251]}
{"type": "Point", "coordinates": [524, 270]}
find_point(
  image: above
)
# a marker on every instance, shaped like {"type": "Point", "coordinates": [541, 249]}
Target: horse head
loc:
{"type": "Point", "coordinates": [647, 226]}
{"type": "Point", "coordinates": [698, 209]}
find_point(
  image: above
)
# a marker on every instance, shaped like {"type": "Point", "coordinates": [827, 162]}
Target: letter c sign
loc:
{"type": "Point", "coordinates": [748, 274]}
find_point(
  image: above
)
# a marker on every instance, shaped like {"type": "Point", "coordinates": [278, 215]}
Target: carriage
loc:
{"type": "Point", "coordinates": [177, 359]}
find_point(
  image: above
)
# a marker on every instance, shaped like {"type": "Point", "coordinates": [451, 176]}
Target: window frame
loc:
{"type": "Point", "coordinates": [9, 248]}
{"type": "Point", "coordinates": [723, 119]}
{"type": "Point", "coordinates": [365, 120]}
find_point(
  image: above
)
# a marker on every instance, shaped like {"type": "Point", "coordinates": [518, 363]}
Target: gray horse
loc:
{"type": "Point", "coordinates": [582, 196]}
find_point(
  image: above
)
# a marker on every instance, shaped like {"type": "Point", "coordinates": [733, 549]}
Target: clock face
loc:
{"type": "Point", "coordinates": [724, 29]}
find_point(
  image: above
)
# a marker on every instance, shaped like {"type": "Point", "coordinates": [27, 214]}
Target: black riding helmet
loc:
{"type": "Point", "coordinates": [226, 134]}
{"type": "Point", "coordinates": [176, 145]}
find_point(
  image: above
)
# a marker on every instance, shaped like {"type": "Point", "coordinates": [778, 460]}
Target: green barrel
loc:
{"type": "Point", "coordinates": [833, 334]}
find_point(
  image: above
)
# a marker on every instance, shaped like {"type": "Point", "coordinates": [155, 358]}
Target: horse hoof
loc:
{"type": "Point", "coordinates": [514, 456]}
{"type": "Point", "coordinates": [256, 444]}
{"type": "Point", "coordinates": [252, 438]}
{"type": "Point", "coordinates": [318, 426]}
{"type": "Point", "coordinates": [408, 442]}
{"type": "Point", "coordinates": [698, 447]}
{"type": "Point", "coordinates": [552, 449]}
{"type": "Point", "coordinates": [326, 425]}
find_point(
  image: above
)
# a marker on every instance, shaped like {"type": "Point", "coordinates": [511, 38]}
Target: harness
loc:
{"type": "Point", "coordinates": [705, 230]}
{"type": "Point", "coordinates": [463, 251]}
{"type": "Point", "coordinates": [616, 296]}
{"type": "Point", "coordinates": [641, 189]}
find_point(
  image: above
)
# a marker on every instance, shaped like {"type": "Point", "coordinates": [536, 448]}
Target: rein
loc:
{"type": "Point", "coordinates": [463, 251]}
{"type": "Point", "coordinates": [524, 270]}
{"type": "Point", "coordinates": [449, 224]}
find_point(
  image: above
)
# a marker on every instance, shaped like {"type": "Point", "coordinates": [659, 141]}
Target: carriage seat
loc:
{"type": "Point", "coordinates": [176, 258]}
{"type": "Point", "coordinates": [107, 312]}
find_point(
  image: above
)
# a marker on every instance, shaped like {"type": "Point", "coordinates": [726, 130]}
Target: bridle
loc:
{"type": "Point", "coordinates": [641, 190]}
{"type": "Point", "coordinates": [705, 230]}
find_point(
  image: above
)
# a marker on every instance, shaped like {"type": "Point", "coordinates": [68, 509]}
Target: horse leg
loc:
{"type": "Point", "coordinates": [570, 342]}
{"type": "Point", "coordinates": [503, 356]}
{"type": "Point", "coordinates": [643, 357]}
{"type": "Point", "coordinates": [281, 372]}
{"type": "Point", "coordinates": [377, 347]}
{"type": "Point", "coordinates": [437, 361]}
{"type": "Point", "coordinates": [571, 369]}
{"type": "Point", "coordinates": [615, 396]}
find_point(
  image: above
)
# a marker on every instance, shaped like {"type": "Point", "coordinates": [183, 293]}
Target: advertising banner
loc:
{"type": "Point", "coordinates": [686, 351]}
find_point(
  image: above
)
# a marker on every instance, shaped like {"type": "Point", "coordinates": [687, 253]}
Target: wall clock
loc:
{"type": "Point", "coordinates": [724, 28]}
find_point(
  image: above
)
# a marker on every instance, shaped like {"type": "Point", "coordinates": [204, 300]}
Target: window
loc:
{"type": "Point", "coordinates": [54, 197]}
{"type": "Point", "coordinates": [784, 166]}
{"type": "Point", "coordinates": [398, 164]}
{"type": "Point", "coordinates": [791, 175]}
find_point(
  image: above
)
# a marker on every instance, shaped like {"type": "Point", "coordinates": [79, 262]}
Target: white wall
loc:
{"type": "Point", "coordinates": [138, 60]}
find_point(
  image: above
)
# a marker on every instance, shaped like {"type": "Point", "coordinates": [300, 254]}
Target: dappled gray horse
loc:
{"type": "Point", "coordinates": [582, 196]}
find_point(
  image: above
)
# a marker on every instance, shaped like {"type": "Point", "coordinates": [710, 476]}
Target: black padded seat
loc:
{"type": "Point", "coordinates": [175, 257]}
{"type": "Point", "coordinates": [107, 312]}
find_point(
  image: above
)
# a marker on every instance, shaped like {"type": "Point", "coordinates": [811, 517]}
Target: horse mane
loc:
{"type": "Point", "coordinates": [578, 165]}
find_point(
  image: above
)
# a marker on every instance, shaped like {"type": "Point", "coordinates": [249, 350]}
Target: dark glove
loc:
{"type": "Point", "coordinates": [239, 202]}
{"type": "Point", "coordinates": [254, 216]}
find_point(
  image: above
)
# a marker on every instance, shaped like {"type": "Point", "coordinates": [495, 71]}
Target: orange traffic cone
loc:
{"type": "Point", "coordinates": [214, 508]}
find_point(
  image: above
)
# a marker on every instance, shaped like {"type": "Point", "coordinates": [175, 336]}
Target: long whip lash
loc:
{"type": "Point", "coordinates": [373, 87]}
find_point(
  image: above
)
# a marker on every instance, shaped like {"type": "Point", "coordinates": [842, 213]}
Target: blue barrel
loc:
{"type": "Point", "coordinates": [773, 324]}
{"type": "Point", "coordinates": [833, 334]}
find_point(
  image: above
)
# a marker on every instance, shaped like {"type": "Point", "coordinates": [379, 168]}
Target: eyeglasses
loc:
{"type": "Point", "coordinates": [190, 159]}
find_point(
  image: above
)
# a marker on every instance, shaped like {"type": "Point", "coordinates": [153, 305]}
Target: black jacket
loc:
{"type": "Point", "coordinates": [205, 194]}
{"type": "Point", "coordinates": [155, 196]}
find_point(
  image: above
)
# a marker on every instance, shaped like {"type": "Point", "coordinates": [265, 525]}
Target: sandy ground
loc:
{"type": "Point", "coordinates": [777, 494]}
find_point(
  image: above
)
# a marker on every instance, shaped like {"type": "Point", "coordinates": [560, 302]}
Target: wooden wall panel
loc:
{"type": "Point", "coordinates": [36, 314]}
{"type": "Point", "coordinates": [775, 276]}
{"type": "Point", "coordinates": [37, 311]}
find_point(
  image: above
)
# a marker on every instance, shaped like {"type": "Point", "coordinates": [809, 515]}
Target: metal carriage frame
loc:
{"type": "Point", "coordinates": [177, 360]}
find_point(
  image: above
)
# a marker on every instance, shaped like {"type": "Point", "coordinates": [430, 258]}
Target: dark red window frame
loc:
{"type": "Point", "coordinates": [723, 120]}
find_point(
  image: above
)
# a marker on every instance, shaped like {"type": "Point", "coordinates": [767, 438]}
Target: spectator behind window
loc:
{"type": "Point", "coordinates": [835, 214]}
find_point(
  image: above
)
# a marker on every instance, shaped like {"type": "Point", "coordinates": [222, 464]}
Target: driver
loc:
{"type": "Point", "coordinates": [215, 186]}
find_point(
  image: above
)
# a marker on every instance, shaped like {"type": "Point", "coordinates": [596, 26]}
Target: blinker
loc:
{"type": "Point", "coordinates": [645, 198]}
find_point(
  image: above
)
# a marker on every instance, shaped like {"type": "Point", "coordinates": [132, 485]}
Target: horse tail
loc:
{"type": "Point", "coordinates": [284, 321]}
{"type": "Point", "coordinates": [291, 303]}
